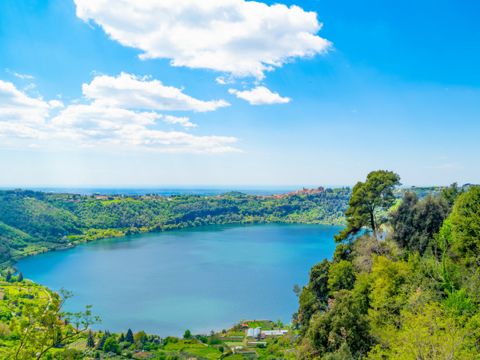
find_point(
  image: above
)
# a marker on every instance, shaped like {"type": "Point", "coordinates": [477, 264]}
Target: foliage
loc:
{"type": "Point", "coordinates": [416, 222]}
{"type": "Point", "coordinates": [343, 323]}
{"type": "Point", "coordinates": [36, 322]}
{"type": "Point", "coordinates": [464, 228]}
{"type": "Point", "coordinates": [32, 222]}
{"type": "Point", "coordinates": [369, 199]}
{"type": "Point", "coordinates": [341, 276]}
{"type": "Point", "coordinates": [413, 293]}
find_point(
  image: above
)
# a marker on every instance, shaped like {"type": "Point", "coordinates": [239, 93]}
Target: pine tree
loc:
{"type": "Point", "coordinates": [20, 277]}
{"type": "Point", "coordinates": [8, 277]}
{"type": "Point", "coordinates": [101, 342]}
{"type": "Point", "coordinates": [121, 338]}
{"type": "Point", "coordinates": [90, 340]}
{"type": "Point", "coordinates": [129, 336]}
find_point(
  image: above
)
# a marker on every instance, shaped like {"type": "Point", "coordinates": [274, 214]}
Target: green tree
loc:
{"type": "Point", "coordinates": [101, 342]}
{"type": "Point", "coordinates": [451, 193]}
{"type": "Point", "coordinates": [187, 334]}
{"type": "Point", "coordinates": [369, 202]}
{"type": "Point", "coordinates": [341, 276]}
{"type": "Point", "coordinates": [129, 336]}
{"type": "Point", "coordinates": [429, 333]}
{"type": "Point", "coordinates": [389, 291]}
{"type": "Point", "coordinates": [90, 340]}
{"type": "Point", "coordinates": [464, 228]}
{"type": "Point", "coordinates": [314, 296]}
{"type": "Point", "coordinates": [20, 277]}
{"type": "Point", "coordinates": [319, 280]}
{"type": "Point", "coordinates": [343, 323]}
{"type": "Point", "coordinates": [43, 328]}
{"type": "Point", "coordinates": [416, 222]}
{"type": "Point", "coordinates": [141, 337]}
{"type": "Point", "coordinates": [111, 345]}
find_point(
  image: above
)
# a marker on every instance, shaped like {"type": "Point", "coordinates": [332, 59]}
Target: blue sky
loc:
{"type": "Point", "coordinates": [392, 85]}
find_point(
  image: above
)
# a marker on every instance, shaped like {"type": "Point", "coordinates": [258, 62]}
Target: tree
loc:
{"type": "Point", "coordinates": [140, 337]}
{"type": "Point", "coordinates": [20, 277]}
{"type": "Point", "coordinates": [8, 277]}
{"type": "Point", "coordinates": [101, 342]}
{"type": "Point", "coordinates": [111, 345]}
{"type": "Point", "coordinates": [319, 280]}
{"type": "Point", "coordinates": [314, 296]}
{"type": "Point", "coordinates": [451, 193]}
{"type": "Point", "coordinates": [369, 202]}
{"type": "Point", "coordinates": [343, 323]}
{"type": "Point", "coordinates": [45, 326]}
{"type": "Point", "coordinates": [187, 335]}
{"type": "Point", "coordinates": [341, 276]}
{"type": "Point", "coordinates": [429, 333]}
{"type": "Point", "coordinates": [464, 227]}
{"type": "Point", "coordinates": [90, 340]}
{"type": "Point", "coordinates": [129, 336]}
{"type": "Point", "coordinates": [416, 222]}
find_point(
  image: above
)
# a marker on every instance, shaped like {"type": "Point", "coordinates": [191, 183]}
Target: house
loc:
{"type": "Point", "coordinates": [274, 332]}
{"type": "Point", "coordinates": [253, 332]}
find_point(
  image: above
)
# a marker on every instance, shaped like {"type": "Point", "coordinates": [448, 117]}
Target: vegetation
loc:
{"type": "Point", "coordinates": [33, 326]}
{"type": "Point", "coordinates": [409, 291]}
{"type": "Point", "coordinates": [32, 222]}
{"type": "Point", "coordinates": [369, 201]}
{"type": "Point", "coordinates": [403, 283]}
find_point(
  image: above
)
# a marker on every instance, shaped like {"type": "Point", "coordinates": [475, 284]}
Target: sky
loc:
{"type": "Point", "coordinates": [238, 93]}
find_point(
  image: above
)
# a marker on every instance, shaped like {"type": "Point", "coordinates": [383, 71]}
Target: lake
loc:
{"type": "Point", "coordinates": [200, 279]}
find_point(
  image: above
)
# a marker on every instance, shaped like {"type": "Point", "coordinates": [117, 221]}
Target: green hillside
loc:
{"type": "Point", "coordinates": [32, 222]}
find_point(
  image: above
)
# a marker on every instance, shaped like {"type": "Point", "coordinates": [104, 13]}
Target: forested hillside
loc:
{"type": "Point", "coordinates": [403, 282]}
{"type": "Point", "coordinates": [32, 222]}
{"type": "Point", "coordinates": [407, 288]}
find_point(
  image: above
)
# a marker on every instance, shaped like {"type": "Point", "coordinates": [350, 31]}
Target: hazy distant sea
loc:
{"type": "Point", "coordinates": [166, 191]}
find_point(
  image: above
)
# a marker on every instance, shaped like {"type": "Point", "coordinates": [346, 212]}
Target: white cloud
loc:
{"type": "Point", "coordinates": [15, 105]}
{"type": "Point", "coordinates": [183, 121]}
{"type": "Point", "coordinates": [260, 95]}
{"type": "Point", "coordinates": [55, 104]}
{"type": "Point", "coordinates": [132, 92]}
{"type": "Point", "coordinates": [21, 76]}
{"type": "Point", "coordinates": [93, 125]}
{"type": "Point", "coordinates": [243, 38]}
{"type": "Point", "coordinates": [222, 80]}
{"type": "Point", "coordinates": [98, 125]}
{"type": "Point", "coordinates": [22, 116]}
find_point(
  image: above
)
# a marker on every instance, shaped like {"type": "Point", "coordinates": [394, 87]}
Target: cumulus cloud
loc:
{"type": "Point", "coordinates": [17, 106]}
{"type": "Point", "coordinates": [183, 121]}
{"type": "Point", "coordinates": [133, 92]}
{"type": "Point", "coordinates": [260, 95]}
{"type": "Point", "coordinates": [239, 37]}
{"type": "Point", "coordinates": [97, 124]}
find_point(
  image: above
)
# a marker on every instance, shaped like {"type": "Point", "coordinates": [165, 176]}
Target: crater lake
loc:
{"type": "Point", "coordinates": [202, 279]}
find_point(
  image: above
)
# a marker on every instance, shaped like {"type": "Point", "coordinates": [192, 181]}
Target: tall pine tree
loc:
{"type": "Point", "coordinates": [90, 340]}
{"type": "Point", "coordinates": [129, 337]}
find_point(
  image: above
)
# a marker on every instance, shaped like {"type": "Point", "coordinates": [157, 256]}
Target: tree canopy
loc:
{"type": "Point", "coordinates": [368, 203]}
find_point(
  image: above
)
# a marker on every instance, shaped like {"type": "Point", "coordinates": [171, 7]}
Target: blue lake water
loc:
{"type": "Point", "coordinates": [200, 279]}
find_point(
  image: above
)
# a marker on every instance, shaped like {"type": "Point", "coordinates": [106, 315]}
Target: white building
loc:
{"type": "Point", "coordinates": [253, 332]}
{"type": "Point", "coordinates": [274, 332]}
